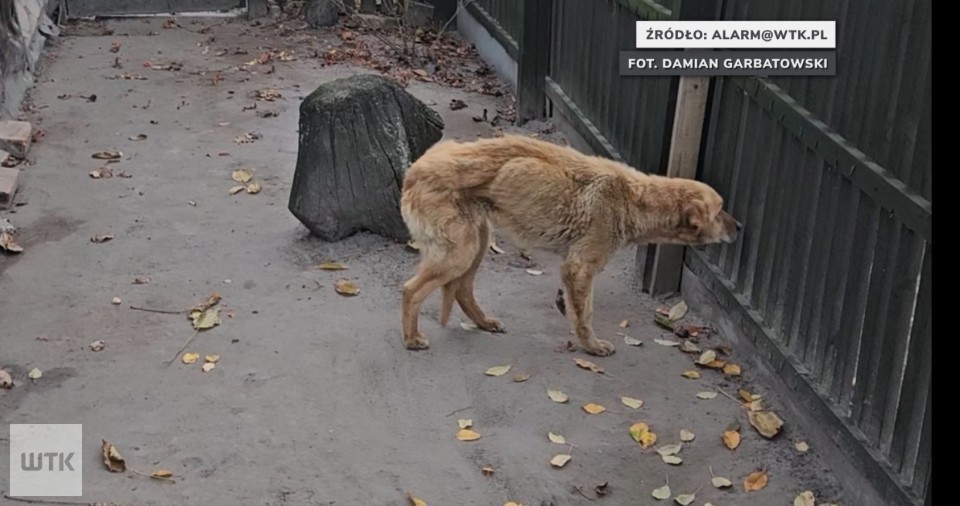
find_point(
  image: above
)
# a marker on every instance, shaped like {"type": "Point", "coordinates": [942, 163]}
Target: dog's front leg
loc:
{"type": "Point", "coordinates": [578, 276]}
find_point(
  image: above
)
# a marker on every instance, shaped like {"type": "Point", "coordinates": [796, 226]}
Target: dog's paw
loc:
{"type": "Point", "coordinates": [417, 342]}
{"type": "Point", "coordinates": [492, 325]}
{"type": "Point", "coordinates": [600, 348]}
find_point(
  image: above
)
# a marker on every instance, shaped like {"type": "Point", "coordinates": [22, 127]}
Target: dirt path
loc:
{"type": "Point", "coordinates": [314, 400]}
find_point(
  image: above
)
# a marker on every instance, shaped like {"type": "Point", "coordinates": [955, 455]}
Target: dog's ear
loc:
{"type": "Point", "coordinates": [694, 215]}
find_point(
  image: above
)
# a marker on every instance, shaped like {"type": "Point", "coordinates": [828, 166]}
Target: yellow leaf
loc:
{"type": "Point", "coordinates": [331, 266]}
{"type": "Point", "coordinates": [691, 375]}
{"type": "Point", "coordinates": [205, 319]}
{"type": "Point", "coordinates": [747, 396]}
{"type": "Point", "coordinates": [662, 493]}
{"type": "Point", "coordinates": [111, 457]}
{"type": "Point", "coordinates": [731, 438]}
{"type": "Point", "coordinates": [467, 435]}
{"type": "Point", "coordinates": [557, 438]}
{"type": "Point", "coordinates": [706, 395]}
{"type": "Point", "coordinates": [594, 409]}
{"type": "Point", "coordinates": [767, 423]}
{"type": "Point", "coordinates": [35, 373]}
{"type": "Point", "coordinates": [685, 499]}
{"type": "Point", "coordinates": [213, 359]}
{"type": "Point", "coordinates": [624, 324]}
{"type": "Point", "coordinates": [242, 175]}
{"type": "Point", "coordinates": [732, 369]}
{"type": "Point", "coordinates": [208, 366]}
{"type": "Point", "coordinates": [236, 189]}
{"type": "Point", "coordinates": [802, 446]}
{"type": "Point", "coordinates": [464, 423]}
{"type": "Point", "coordinates": [630, 402]}
{"type": "Point", "coordinates": [716, 364]}
{"type": "Point", "coordinates": [512, 503]}
{"type": "Point", "coordinates": [670, 449]}
{"type": "Point", "coordinates": [161, 473]}
{"type": "Point", "coordinates": [415, 501]}
{"type": "Point", "coordinates": [499, 370]}
{"type": "Point", "coordinates": [640, 432]}
{"type": "Point", "coordinates": [721, 482]}
{"type": "Point", "coordinates": [686, 436]}
{"type": "Point", "coordinates": [521, 377]}
{"type": "Point", "coordinates": [586, 364]}
{"type": "Point", "coordinates": [755, 481]}
{"type": "Point", "coordinates": [678, 311]}
{"type": "Point", "coordinates": [707, 357]}
{"type": "Point", "coordinates": [189, 358]}
{"type": "Point", "coordinates": [560, 460]}
{"type": "Point", "coordinates": [672, 459]}
{"type": "Point", "coordinates": [804, 499]}
{"type": "Point", "coordinates": [346, 287]}
{"type": "Point", "coordinates": [557, 396]}
{"type": "Point", "coordinates": [253, 188]}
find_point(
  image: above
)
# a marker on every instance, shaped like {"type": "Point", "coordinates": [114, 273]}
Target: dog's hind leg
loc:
{"type": "Point", "coordinates": [578, 273]}
{"type": "Point", "coordinates": [448, 294]}
{"type": "Point", "coordinates": [464, 288]}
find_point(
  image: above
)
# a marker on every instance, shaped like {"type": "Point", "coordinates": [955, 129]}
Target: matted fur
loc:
{"type": "Point", "coordinates": [548, 197]}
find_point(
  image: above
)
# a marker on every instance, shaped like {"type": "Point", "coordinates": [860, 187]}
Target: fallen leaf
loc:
{"type": "Point", "coordinates": [755, 481]}
{"type": "Point", "coordinates": [673, 460]}
{"type": "Point", "coordinates": [101, 238]}
{"type": "Point", "coordinates": [496, 249]}
{"type": "Point", "coordinates": [213, 359]}
{"type": "Point", "coordinates": [721, 482]}
{"type": "Point", "coordinates": [664, 322]}
{"type": "Point", "coordinates": [678, 311]}
{"type": "Point", "coordinates": [116, 301]}
{"type": "Point", "coordinates": [209, 366]}
{"type": "Point", "coordinates": [631, 341]}
{"type": "Point", "coordinates": [688, 347]}
{"type": "Point", "coordinates": [767, 423]}
{"type": "Point", "coordinates": [686, 436]}
{"type": "Point", "coordinates": [512, 503]}
{"type": "Point", "coordinates": [716, 364]}
{"type": "Point", "coordinates": [112, 458]}
{"type": "Point", "coordinates": [101, 173]}
{"type": "Point", "coordinates": [487, 471]}
{"type": "Point", "coordinates": [601, 489]}
{"type": "Point", "coordinates": [161, 473]}
{"type": "Point", "coordinates": [35, 374]}
{"type": "Point", "coordinates": [189, 358]}
{"type": "Point", "coordinates": [413, 245]}
{"type": "Point", "coordinates": [97, 345]}
{"type": "Point", "coordinates": [557, 396]}
{"type": "Point", "coordinates": [6, 381]}
{"type": "Point", "coordinates": [141, 280]}
{"type": "Point", "coordinates": [691, 375]}
{"type": "Point", "coordinates": [236, 189]}
{"type": "Point", "coordinates": [731, 369]}
{"type": "Point", "coordinates": [108, 155]}
{"type": "Point", "coordinates": [624, 324]}
{"type": "Point", "coordinates": [666, 342]}
{"type": "Point", "coordinates": [253, 188]}
{"type": "Point", "coordinates": [467, 435]}
{"type": "Point", "coordinates": [670, 449]}
{"type": "Point", "coordinates": [499, 370]}
{"type": "Point", "coordinates": [662, 493]}
{"type": "Point", "coordinates": [755, 405]}
{"type": "Point", "coordinates": [630, 402]}
{"type": "Point", "coordinates": [346, 287]}
{"type": "Point", "coordinates": [707, 357]}
{"type": "Point", "coordinates": [802, 446]}
{"type": "Point", "coordinates": [706, 395]}
{"type": "Point", "coordinates": [556, 438]}
{"type": "Point", "coordinates": [414, 501]}
{"type": "Point", "coordinates": [209, 302]}
{"type": "Point", "coordinates": [731, 439]}
{"type": "Point", "coordinates": [242, 175]}
{"type": "Point", "coordinates": [138, 137]}
{"type": "Point", "coordinates": [9, 244]}
{"type": "Point", "coordinates": [804, 499]}
{"type": "Point", "coordinates": [685, 499]}
{"type": "Point", "coordinates": [521, 377]}
{"type": "Point", "coordinates": [594, 409]}
{"type": "Point", "coordinates": [586, 364]}
{"type": "Point", "coordinates": [464, 423]}
{"type": "Point", "coordinates": [420, 72]}
{"type": "Point", "coordinates": [534, 272]}
{"type": "Point", "coordinates": [640, 432]}
{"type": "Point", "coordinates": [560, 460]}
{"type": "Point", "coordinates": [205, 319]}
{"type": "Point", "coordinates": [747, 396]}
{"type": "Point", "coordinates": [332, 266]}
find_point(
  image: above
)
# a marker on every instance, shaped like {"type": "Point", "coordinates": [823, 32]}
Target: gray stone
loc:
{"type": "Point", "coordinates": [358, 136]}
{"type": "Point", "coordinates": [323, 12]}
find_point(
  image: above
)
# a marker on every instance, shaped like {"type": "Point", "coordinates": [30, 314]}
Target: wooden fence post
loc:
{"type": "Point", "coordinates": [534, 60]}
{"type": "Point", "coordinates": [665, 261]}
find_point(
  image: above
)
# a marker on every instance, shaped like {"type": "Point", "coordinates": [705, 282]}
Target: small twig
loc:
{"type": "Point", "coordinates": [41, 501]}
{"type": "Point", "coordinates": [732, 398]}
{"type": "Point", "coordinates": [161, 311]}
{"type": "Point", "coordinates": [161, 478]}
{"type": "Point", "coordinates": [187, 343]}
{"type": "Point", "coordinates": [457, 411]}
{"type": "Point", "coordinates": [585, 496]}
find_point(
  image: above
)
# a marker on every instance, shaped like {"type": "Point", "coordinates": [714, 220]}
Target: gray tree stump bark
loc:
{"type": "Point", "coordinates": [358, 136]}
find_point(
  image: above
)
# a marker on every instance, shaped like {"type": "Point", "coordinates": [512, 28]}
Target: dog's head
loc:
{"type": "Point", "coordinates": [702, 219]}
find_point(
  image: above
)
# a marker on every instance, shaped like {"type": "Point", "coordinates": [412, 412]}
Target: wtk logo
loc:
{"type": "Point", "coordinates": [46, 460]}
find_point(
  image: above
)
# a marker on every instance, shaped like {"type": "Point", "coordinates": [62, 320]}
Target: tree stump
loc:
{"type": "Point", "coordinates": [358, 136]}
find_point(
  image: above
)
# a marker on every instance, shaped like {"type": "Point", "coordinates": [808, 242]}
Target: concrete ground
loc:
{"type": "Point", "coordinates": [314, 400]}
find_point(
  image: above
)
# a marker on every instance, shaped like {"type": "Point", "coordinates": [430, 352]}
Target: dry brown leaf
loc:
{"type": "Point", "coordinates": [521, 377]}
{"type": "Point", "coordinates": [101, 238]}
{"type": "Point", "coordinates": [755, 481]}
{"type": "Point", "coordinates": [189, 358]}
{"type": "Point", "coordinates": [112, 458]}
{"type": "Point", "coordinates": [6, 381]}
{"type": "Point", "coordinates": [346, 287]}
{"type": "Point", "coordinates": [641, 433]}
{"type": "Point", "coordinates": [97, 345]}
{"type": "Point", "coordinates": [586, 364]}
{"type": "Point", "coordinates": [415, 501]}
{"type": "Point", "coordinates": [624, 324]}
{"type": "Point", "coordinates": [108, 155]}
{"type": "Point", "coordinates": [716, 364]}
{"type": "Point", "coordinates": [138, 137]}
{"type": "Point", "coordinates": [162, 474]}
{"type": "Point", "coordinates": [499, 370]}
{"type": "Point", "coordinates": [332, 266]}
{"type": "Point", "coordinates": [767, 423]}
{"type": "Point", "coordinates": [560, 460]}
{"type": "Point", "coordinates": [236, 189]}
{"type": "Point", "coordinates": [205, 319]}
{"type": "Point", "coordinates": [213, 359]}
{"type": "Point", "coordinates": [9, 244]}
{"type": "Point", "coordinates": [242, 175]}
{"type": "Point", "coordinates": [731, 439]}
{"type": "Point", "coordinates": [707, 357]}
{"type": "Point", "coordinates": [732, 369]}
{"type": "Point", "coordinates": [593, 409]}
{"type": "Point", "coordinates": [467, 435]}
{"type": "Point", "coordinates": [691, 375]}
{"type": "Point", "coordinates": [253, 188]}
{"type": "Point", "coordinates": [747, 396]}
{"type": "Point", "coordinates": [557, 396]}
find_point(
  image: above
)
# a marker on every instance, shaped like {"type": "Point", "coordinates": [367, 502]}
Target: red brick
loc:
{"type": "Point", "coordinates": [15, 137]}
{"type": "Point", "coordinates": [9, 181]}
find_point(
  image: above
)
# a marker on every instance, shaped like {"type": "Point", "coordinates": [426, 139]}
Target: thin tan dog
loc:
{"type": "Point", "coordinates": [545, 196]}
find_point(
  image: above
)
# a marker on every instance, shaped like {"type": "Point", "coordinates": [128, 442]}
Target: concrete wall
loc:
{"type": "Point", "coordinates": [24, 26]}
{"type": "Point", "coordinates": [490, 50]}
